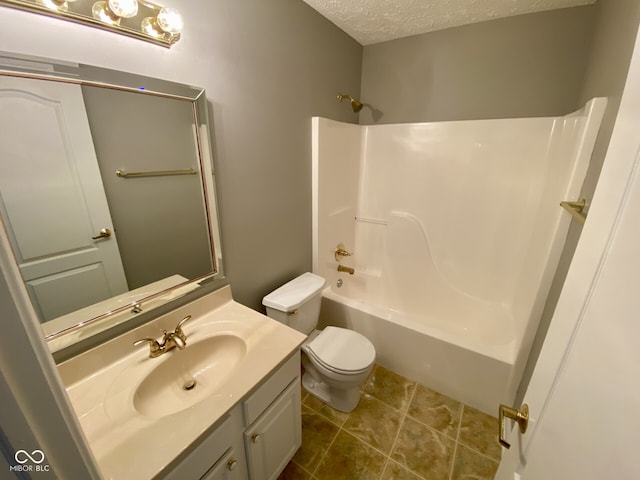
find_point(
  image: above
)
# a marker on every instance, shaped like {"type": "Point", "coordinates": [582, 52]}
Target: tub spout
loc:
{"type": "Point", "coordinates": [349, 270]}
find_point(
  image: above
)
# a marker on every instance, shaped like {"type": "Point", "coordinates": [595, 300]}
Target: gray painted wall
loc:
{"type": "Point", "coordinates": [616, 27]}
{"type": "Point", "coordinates": [524, 66]}
{"type": "Point", "coordinates": [268, 67]}
{"type": "Point", "coordinates": [276, 65]}
{"type": "Point", "coordinates": [160, 222]}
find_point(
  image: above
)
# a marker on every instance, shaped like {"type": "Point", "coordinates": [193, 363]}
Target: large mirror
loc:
{"type": "Point", "coordinates": [106, 192]}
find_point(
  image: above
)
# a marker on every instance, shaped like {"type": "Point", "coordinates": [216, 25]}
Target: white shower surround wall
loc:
{"type": "Point", "coordinates": [456, 233]}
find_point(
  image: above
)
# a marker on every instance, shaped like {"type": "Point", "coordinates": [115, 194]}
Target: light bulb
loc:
{"type": "Point", "coordinates": [124, 8]}
{"type": "Point", "coordinates": [101, 11]}
{"type": "Point", "coordinates": [170, 20]}
{"type": "Point", "coordinates": [55, 5]}
{"type": "Point", "coordinates": [150, 27]}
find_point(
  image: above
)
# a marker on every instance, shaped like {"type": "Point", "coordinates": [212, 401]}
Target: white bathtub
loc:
{"type": "Point", "coordinates": [470, 358]}
{"type": "Point", "coordinates": [456, 233]}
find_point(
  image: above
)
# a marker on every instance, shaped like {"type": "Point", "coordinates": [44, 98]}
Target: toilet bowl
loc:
{"type": "Point", "coordinates": [337, 361]}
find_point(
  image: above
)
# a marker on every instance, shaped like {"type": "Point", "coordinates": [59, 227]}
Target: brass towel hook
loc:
{"type": "Point", "coordinates": [575, 209]}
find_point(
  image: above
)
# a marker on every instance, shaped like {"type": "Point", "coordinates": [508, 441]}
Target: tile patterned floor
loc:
{"type": "Point", "coordinates": [400, 431]}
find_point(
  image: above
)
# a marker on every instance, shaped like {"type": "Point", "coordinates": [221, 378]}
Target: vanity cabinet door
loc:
{"type": "Point", "coordinates": [275, 436]}
{"type": "Point", "coordinates": [227, 468]}
{"type": "Point", "coordinates": [210, 451]}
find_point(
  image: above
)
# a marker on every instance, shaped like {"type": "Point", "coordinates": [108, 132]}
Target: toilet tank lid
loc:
{"type": "Point", "coordinates": [293, 294]}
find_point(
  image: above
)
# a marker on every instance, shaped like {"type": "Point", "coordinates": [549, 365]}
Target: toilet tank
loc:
{"type": "Point", "coordinates": [297, 303]}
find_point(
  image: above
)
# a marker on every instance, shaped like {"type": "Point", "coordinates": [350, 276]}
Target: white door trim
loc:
{"type": "Point", "coordinates": [39, 401]}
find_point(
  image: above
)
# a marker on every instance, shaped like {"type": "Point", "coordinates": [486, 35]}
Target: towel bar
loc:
{"type": "Point", "coordinates": [155, 173]}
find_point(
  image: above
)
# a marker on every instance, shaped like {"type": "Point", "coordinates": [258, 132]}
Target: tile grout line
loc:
{"type": "Point", "coordinates": [358, 439]}
{"type": "Point", "coordinates": [302, 468]}
{"type": "Point", "coordinates": [412, 472]}
{"type": "Point", "coordinates": [313, 474]}
{"type": "Point", "coordinates": [480, 453]}
{"type": "Point", "coordinates": [455, 438]}
{"type": "Point", "coordinates": [326, 417]}
{"type": "Point", "coordinates": [387, 457]}
{"type": "Point", "coordinates": [431, 427]}
{"type": "Point", "coordinates": [455, 445]}
{"type": "Point", "coordinates": [469, 446]}
{"type": "Point", "coordinates": [402, 420]}
{"type": "Point", "coordinates": [404, 416]}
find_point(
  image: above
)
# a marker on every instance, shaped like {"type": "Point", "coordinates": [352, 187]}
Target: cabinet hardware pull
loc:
{"type": "Point", "coordinates": [255, 437]}
{"type": "Point", "coordinates": [231, 464]}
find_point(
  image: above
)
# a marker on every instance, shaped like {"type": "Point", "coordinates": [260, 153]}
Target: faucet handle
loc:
{"type": "Point", "coordinates": [340, 252]}
{"type": "Point", "coordinates": [178, 331]}
{"type": "Point", "coordinates": [154, 347]}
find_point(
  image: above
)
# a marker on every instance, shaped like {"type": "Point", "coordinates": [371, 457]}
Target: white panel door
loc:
{"type": "Point", "coordinates": [584, 393]}
{"type": "Point", "coordinates": [52, 199]}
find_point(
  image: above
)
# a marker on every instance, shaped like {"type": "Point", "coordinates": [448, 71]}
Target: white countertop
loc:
{"type": "Point", "coordinates": [101, 383]}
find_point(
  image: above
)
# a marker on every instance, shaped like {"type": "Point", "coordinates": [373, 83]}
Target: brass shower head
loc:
{"type": "Point", "coordinates": [355, 104]}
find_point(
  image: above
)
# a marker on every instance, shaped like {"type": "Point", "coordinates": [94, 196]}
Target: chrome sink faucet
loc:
{"type": "Point", "coordinates": [169, 340]}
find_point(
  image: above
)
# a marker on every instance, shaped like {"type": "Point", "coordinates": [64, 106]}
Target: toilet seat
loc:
{"type": "Point", "coordinates": [341, 351]}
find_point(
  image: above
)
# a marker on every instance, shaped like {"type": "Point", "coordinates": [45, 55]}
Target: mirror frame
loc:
{"type": "Point", "coordinates": [37, 68]}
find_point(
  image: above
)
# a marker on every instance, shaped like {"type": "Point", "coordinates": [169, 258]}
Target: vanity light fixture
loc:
{"type": "Point", "coordinates": [134, 18]}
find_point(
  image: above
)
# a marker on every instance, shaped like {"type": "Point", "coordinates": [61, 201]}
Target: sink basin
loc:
{"type": "Point", "coordinates": [186, 377]}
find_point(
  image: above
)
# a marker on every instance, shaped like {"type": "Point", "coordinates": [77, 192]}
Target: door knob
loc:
{"type": "Point", "coordinates": [104, 233]}
{"type": "Point", "coordinates": [520, 416]}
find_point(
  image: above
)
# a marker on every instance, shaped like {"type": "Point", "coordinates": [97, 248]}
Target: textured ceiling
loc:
{"type": "Point", "coordinates": [373, 21]}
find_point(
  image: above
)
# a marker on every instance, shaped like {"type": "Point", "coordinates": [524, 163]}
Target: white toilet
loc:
{"type": "Point", "coordinates": [337, 361]}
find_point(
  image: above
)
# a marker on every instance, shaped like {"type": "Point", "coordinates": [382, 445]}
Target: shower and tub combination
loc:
{"type": "Point", "coordinates": [455, 232]}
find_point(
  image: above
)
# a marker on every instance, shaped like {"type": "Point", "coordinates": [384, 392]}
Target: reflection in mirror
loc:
{"type": "Point", "coordinates": [106, 194]}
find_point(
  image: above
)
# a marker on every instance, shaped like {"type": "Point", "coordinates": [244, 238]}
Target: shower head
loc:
{"type": "Point", "coordinates": [356, 105]}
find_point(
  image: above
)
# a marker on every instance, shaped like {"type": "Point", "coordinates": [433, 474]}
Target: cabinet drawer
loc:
{"type": "Point", "coordinates": [266, 393]}
{"type": "Point", "coordinates": [227, 468]}
{"type": "Point", "coordinates": [199, 461]}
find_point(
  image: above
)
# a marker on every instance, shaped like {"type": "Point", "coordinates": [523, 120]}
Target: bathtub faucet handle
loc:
{"type": "Point", "coordinates": [340, 252]}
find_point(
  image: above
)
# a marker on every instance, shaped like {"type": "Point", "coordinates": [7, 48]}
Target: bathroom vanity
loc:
{"type": "Point", "coordinates": [226, 406]}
